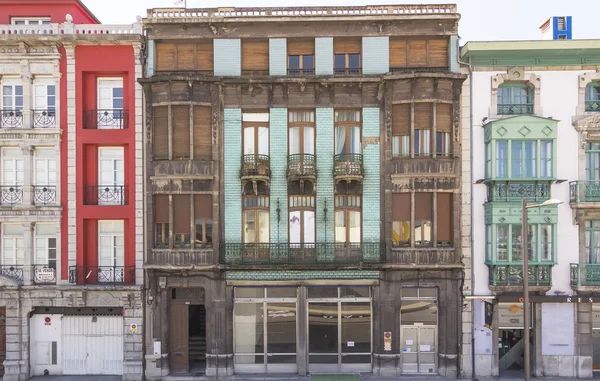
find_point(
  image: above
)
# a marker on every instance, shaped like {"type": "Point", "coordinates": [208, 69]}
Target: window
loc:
{"type": "Point", "coordinates": [423, 219]}
{"type": "Point", "coordinates": [347, 133]}
{"type": "Point", "coordinates": [203, 219]}
{"type": "Point", "coordinates": [255, 57]}
{"type": "Point", "coordinates": [13, 245]}
{"type": "Point", "coordinates": [592, 97]}
{"type": "Point", "coordinates": [111, 176]}
{"type": "Point", "coordinates": [181, 221]}
{"type": "Point", "coordinates": [30, 20]}
{"type": "Point", "coordinates": [514, 99]}
{"type": "Point", "coordinates": [302, 220]}
{"type": "Point", "coordinates": [301, 57]}
{"type": "Point", "coordinates": [348, 221]}
{"type": "Point", "coordinates": [12, 95]}
{"type": "Point", "coordinates": [256, 143]}
{"type": "Point", "coordinates": [418, 53]}
{"type": "Point", "coordinates": [546, 158]}
{"type": "Point", "coordinates": [523, 158]}
{"type": "Point", "coordinates": [161, 221]}
{"type": "Point", "coordinates": [13, 167]}
{"type": "Point", "coordinates": [401, 219]}
{"type": "Point", "coordinates": [160, 132]}
{"type": "Point", "coordinates": [110, 113]}
{"type": "Point", "coordinates": [44, 113]}
{"type": "Point", "coordinates": [45, 245]}
{"type": "Point", "coordinates": [256, 219]}
{"type": "Point", "coordinates": [443, 128]}
{"type": "Point", "coordinates": [45, 167]}
{"type": "Point", "coordinates": [561, 23]}
{"type": "Point", "coordinates": [509, 246]}
{"type": "Point", "coordinates": [592, 241]}
{"type": "Point", "coordinates": [423, 122]}
{"type": "Point", "coordinates": [197, 57]}
{"type": "Point", "coordinates": [111, 250]}
{"type": "Point", "coordinates": [301, 132]}
{"type": "Point", "coordinates": [401, 129]}
{"type": "Point", "coordinates": [180, 123]}
{"type": "Point", "coordinates": [488, 160]}
{"type": "Point", "coordinates": [202, 133]}
{"type": "Point", "coordinates": [592, 161]}
{"type": "Point", "coordinates": [501, 158]}
{"type": "Point", "coordinates": [346, 56]}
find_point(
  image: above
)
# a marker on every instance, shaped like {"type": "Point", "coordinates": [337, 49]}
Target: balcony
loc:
{"type": "Point", "coordinates": [44, 194]}
{"type": "Point", "coordinates": [256, 167]}
{"type": "Point", "coordinates": [511, 276]}
{"type": "Point", "coordinates": [102, 275]}
{"type": "Point", "coordinates": [106, 195]}
{"type": "Point", "coordinates": [509, 191]}
{"type": "Point", "coordinates": [585, 275]}
{"type": "Point", "coordinates": [348, 167]}
{"type": "Point", "coordinates": [445, 255]}
{"type": "Point", "coordinates": [592, 106]}
{"type": "Point", "coordinates": [44, 274]}
{"type": "Point", "coordinates": [302, 254]}
{"type": "Point", "coordinates": [11, 194]}
{"type": "Point", "coordinates": [347, 71]}
{"type": "Point", "coordinates": [183, 257]}
{"type": "Point", "coordinates": [300, 72]}
{"type": "Point", "coordinates": [302, 167]}
{"type": "Point", "coordinates": [43, 118]}
{"type": "Point", "coordinates": [584, 191]}
{"type": "Point", "coordinates": [11, 118]}
{"type": "Point", "coordinates": [515, 109]}
{"type": "Point", "coordinates": [12, 271]}
{"type": "Point", "coordinates": [106, 119]}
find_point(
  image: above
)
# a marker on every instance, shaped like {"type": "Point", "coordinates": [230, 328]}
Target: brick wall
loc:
{"type": "Point", "coordinates": [324, 57]}
{"type": "Point", "coordinates": [371, 216]}
{"type": "Point", "coordinates": [324, 156]}
{"type": "Point", "coordinates": [277, 56]}
{"type": "Point", "coordinates": [232, 154]}
{"type": "Point", "coordinates": [375, 55]}
{"type": "Point", "coordinates": [278, 153]}
{"type": "Point", "coordinates": [228, 57]}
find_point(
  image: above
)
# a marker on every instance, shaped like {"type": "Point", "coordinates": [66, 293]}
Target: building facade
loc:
{"type": "Point", "coordinates": [71, 195]}
{"type": "Point", "coordinates": [303, 199]}
{"type": "Point", "coordinates": [532, 107]}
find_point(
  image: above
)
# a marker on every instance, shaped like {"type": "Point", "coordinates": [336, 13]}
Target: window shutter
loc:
{"type": "Point", "coordinates": [160, 123]}
{"type": "Point", "coordinates": [202, 133]}
{"type": "Point", "coordinates": [299, 47]}
{"type": "Point", "coordinates": [181, 214]}
{"type": "Point", "coordinates": [443, 121]}
{"type": "Point", "coordinates": [186, 56]}
{"type": "Point", "coordinates": [444, 216]}
{"type": "Point", "coordinates": [255, 55]}
{"type": "Point", "coordinates": [203, 206]}
{"type": "Point", "coordinates": [165, 57]}
{"type": "Point", "coordinates": [423, 116]}
{"type": "Point", "coordinates": [423, 206]}
{"type": "Point", "coordinates": [161, 209]}
{"type": "Point", "coordinates": [417, 53]}
{"type": "Point", "coordinates": [181, 131]}
{"type": "Point", "coordinates": [401, 207]}
{"type": "Point", "coordinates": [401, 119]}
{"type": "Point", "coordinates": [346, 46]}
{"type": "Point", "coordinates": [205, 56]}
{"type": "Point", "coordinates": [397, 53]}
{"type": "Point", "coordinates": [437, 53]}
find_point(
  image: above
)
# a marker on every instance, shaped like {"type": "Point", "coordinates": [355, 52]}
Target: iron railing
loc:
{"type": "Point", "coordinates": [44, 274]}
{"type": "Point", "coordinates": [585, 274]}
{"type": "Point", "coordinates": [11, 194]}
{"type": "Point", "coordinates": [584, 191]}
{"type": "Point", "coordinates": [11, 118]}
{"type": "Point", "coordinates": [301, 165]}
{"type": "Point", "coordinates": [347, 71]}
{"type": "Point", "coordinates": [44, 194]}
{"type": "Point", "coordinates": [256, 165]}
{"type": "Point", "coordinates": [301, 254]}
{"type": "Point", "coordinates": [515, 109]}
{"type": "Point", "coordinates": [101, 275]}
{"type": "Point", "coordinates": [512, 275]}
{"type": "Point", "coordinates": [348, 165]}
{"type": "Point", "coordinates": [106, 195]}
{"type": "Point", "coordinates": [185, 72]}
{"type": "Point", "coordinates": [506, 191]}
{"type": "Point", "coordinates": [12, 271]}
{"type": "Point", "coordinates": [106, 119]}
{"type": "Point", "coordinates": [43, 118]}
{"type": "Point", "coordinates": [300, 72]}
{"type": "Point", "coordinates": [592, 106]}
{"type": "Point", "coordinates": [423, 69]}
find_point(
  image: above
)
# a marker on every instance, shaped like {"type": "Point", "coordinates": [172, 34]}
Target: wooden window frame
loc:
{"type": "Point", "coordinates": [256, 126]}
{"type": "Point", "coordinates": [592, 97]}
{"type": "Point", "coordinates": [302, 126]}
{"type": "Point", "coordinates": [347, 70]}
{"type": "Point", "coordinates": [262, 207]}
{"type": "Point", "coordinates": [515, 246]}
{"type": "Point", "coordinates": [592, 173]}
{"type": "Point", "coordinates": [348, 125]}
{"type": "Point", "coordinates": [302, 209]}
{"type": "Point", "coordinates": [254, 72]}
{"type": "Point", "coordinates": [511, 103]}
{"type": "Point", "coordinates": [180, 241]}
{"type": "Point", "coordinates": [301, 70]}
{"type": "Point", "coordinates": [347, 221]}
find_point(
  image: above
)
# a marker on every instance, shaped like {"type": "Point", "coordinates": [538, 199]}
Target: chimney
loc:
{"type": "Point", "coordinates": [557, 28]}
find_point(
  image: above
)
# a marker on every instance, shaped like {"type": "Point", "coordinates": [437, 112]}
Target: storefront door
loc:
{"type": "Point", "coordinates": [418, 348]}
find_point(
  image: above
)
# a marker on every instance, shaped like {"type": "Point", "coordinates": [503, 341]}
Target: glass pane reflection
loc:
{"type": "Point", "coordinates": [281, 328]}
{"type": "Point", "coordinates": [323, 328]}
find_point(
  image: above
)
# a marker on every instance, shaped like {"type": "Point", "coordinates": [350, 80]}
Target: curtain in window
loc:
{"type": "Point", "coordinates": [294, 145]}
{"type": "Point", "coordinates": [340, 140]}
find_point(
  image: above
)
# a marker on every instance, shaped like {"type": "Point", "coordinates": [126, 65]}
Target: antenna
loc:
{"type": "Point", "coordinates": [179, 2]}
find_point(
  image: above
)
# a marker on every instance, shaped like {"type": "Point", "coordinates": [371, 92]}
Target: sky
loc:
{"type": "Point", "coordinates": [481, 20]}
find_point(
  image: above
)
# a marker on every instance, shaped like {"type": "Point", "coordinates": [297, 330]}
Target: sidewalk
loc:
{"type": "Point", "coordinates": [274, 377]}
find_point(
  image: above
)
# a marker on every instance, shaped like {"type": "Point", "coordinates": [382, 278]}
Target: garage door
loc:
{"type": "Point", "coordinates": [93, 345]}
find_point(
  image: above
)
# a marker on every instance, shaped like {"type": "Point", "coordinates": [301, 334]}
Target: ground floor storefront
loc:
{"type": "Point", "coordinates": [388, 323]}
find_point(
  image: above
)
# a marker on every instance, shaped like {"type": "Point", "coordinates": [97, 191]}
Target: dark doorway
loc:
{"type": "Point", "coordinates": [197, 339]}
{"type": "Point", "coordinates": [511, 349]}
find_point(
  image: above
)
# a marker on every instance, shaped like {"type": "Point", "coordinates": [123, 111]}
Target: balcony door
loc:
{"type": "Point", "coordinates": [111, 251]}
{"type": "Point", "coordinates": [110, 103]}
{"type": "Point", "coordinates": [13, 176]}
{"type": "Point", "coordinates": [13, 249]}
{"type": "Point", "coordinates": [45, 253]}
{"type": "Point", "coordinates": [44, 113]}
{"type": "Point", "coordinates": [111, 175]}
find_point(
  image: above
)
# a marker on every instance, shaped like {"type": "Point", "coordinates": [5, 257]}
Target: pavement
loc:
{"type": "Point", "coordinates": [277, 378]}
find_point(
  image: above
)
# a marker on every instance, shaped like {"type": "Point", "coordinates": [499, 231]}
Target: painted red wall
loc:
{"type": "Point", "coordinates": [55, 9]}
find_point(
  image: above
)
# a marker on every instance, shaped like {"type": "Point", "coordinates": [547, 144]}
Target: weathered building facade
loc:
{"type": "Point", "coordinates": [303, 182]}
{"type": "Point", "coordinates": [70, 200]}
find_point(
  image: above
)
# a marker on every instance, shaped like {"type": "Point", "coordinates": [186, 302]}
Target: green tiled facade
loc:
{"type": "Point", "coordinates": [371, 216]}
{"type": "Point", "coordinates": [232, 152]}
{"type": "Point", "coordinates": [278, 129]}
{"type": "Point", "coordinates": [301, 275]}
{"type": "Point", "coordinates": [324, 152]}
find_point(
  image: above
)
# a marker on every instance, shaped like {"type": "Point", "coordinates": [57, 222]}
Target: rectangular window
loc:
{"type": "Point", "coordinates": [180, 123]}
{"type": "Point", "coordinates": [203, 219]}
{"type": "Point", "coordinates": [501, 158]}
{"type": "Point", "coordinates": [523, 158]}
{"type": "Point", "coordinates": [13, 167]}
{"type": "Point", "coordinates": [488, 243]}
{"type": "Point", "coordinates": [255, 57]}
{"type": "Point", "coordinates": [160, 132]}
{"type": "Point", "coordinates": [546, 242]}
{"type": "Point", "coordinates": [111, 176]}
{"type": "Point", "coordinates": [301, 134]}
{"type": "Point", "coordinates": [348, 221]}
{"type": "Point", "coordinates": [302, 220]}
{"type": "Point", "coordinates": [346, 58]}
{"type": "Point", "coordinates": [110, 113]}
{"type": "Point", "coordinates": [401, 129]}
{"type": "Point", "coordinates": [111, 250]}
{"type": "Point", "coordinates": [301, 56]}
{"type": "Point", "coordinates": [423, 219]}
{"type": "Point", "coordinates": [443, 128]}
{"type": "Point", "coordinates": [423, 121]}
{"type": "Point", "coordinates": [181, 221]}
{"type": "Point", "coordinates": [347, 132]}
{"type": "Point", "coordinates": [444, 219]}
{"type": "Point", "coordinates": [514, 99]}
{"type": "Point", "coordinates": [401, 219]}
{"type": "Point", "coordinates": [13, 245]}
{"type": "Point", "coordinates": [592, 241]}
{"type": "Point", "coordinates": [45, 245]}
{"type": "Point", "coordinates": [161, 221]}
{"type": "Point", "coordinates": [488, 160]}
{"type": "Point", "coordinates": [202, 133]}
{"type": "Point", "coordinates": [502, 242]}
{"type": "Point", "coordinates": [592, 161]}
{"type": "Point", "coordinates": [509, 245]}
{"type": "Point", "coordinates": [256, 223]}
{"type": "Point", "coordinates": [196, 58]}
{"type": "Point", "coordinates": [546, 158]}
{"type": "Point", "coordinates": [12, 94]}
{"type": "Point", "coordinates": [516, 243]}
{"type": "Point", "coordinates": [44, 112]}
{"type": "Point", "coordinates": [45, 166]}
{"type": "Point", "coordinates": [30, 20]}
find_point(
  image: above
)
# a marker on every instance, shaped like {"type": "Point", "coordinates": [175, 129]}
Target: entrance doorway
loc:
{"type": "Point", "coordinates": [418, 330]}
{"type": "Point", "coordinates": [511, 351]}
{"type": "Point", "coordinates": [187, 331]}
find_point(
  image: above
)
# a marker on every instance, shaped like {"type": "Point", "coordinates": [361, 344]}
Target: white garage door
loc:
{"type": "Point", "coordinates": [92, 345]}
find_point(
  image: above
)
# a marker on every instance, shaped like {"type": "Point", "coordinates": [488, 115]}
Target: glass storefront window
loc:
{"type": "Point", "coordinates": [248, 319]}
{"type": "Point", "coordinates": [322, 292]}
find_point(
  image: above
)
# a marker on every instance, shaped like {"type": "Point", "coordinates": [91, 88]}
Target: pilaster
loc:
{"type": "Point", "coordinates": [28, 260]}
{"type": "Point", "coordinates": [71, 202]}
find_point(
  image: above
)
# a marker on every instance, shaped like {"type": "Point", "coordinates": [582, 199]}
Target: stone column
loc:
{"type": "Point", "coordinates": [29, 260]}
{"type": "Point", "coordinates": [27, 93]}
{"type": "Point", "coordinates": [386, 318]}
{"type": "Point", "coordinates": [15, 367]}
{"type": "Point", "coordinates": [133, 339]}
{"type": "Point", "coordinates": [28, 173]}
{"type": "Point", "coordinates": [302, 345]}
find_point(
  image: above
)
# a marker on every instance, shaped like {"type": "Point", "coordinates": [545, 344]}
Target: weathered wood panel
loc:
{"type": "Point", "coordinates": [255, 55]}
{"type": "Point", "coordinates": [183, 168]}
{"type": "Point", "coordinates": [202, 133]}
{"type": "Point", "coordinates": [160, 123]}
{"type": "Point", "coordinates": [181, 131]}
{"type": "Point", "coordinates": [423, 166]}
{"type": "Point", "coordinates": [301, 46]}
{"type": "Point", "coordinates": [423, 256]}
{"type": "Point", "coordinates": [182, 257]}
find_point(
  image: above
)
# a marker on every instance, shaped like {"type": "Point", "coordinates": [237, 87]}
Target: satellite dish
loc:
{"type": "Point", "coordinates": [69, 18]}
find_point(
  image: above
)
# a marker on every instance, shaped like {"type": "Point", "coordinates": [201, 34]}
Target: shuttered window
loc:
{"type": "Point", "coordinates": [444, 219]}
{"type": "Point", "coordinates": [160, 125]}
{"type": "Point", "coordinates": [203, 218]}
{"type": "Point", "coordinates": [401, 219]}
{"type": "Point", "coordinates": [422, 133]}
{"type": "Point", "coordinates": [418, 53]}
{"type": "Point", "coordinates": [301, 57]}
{"type": "Point", "coordinates": [161, 220]}
{"type": "Point", "coordinates": [346, 52]}
{"type": "Point", "coordinates": [202, 133]}
{"type": "Point", "coordinates": [185, 57]}
{"type": "Point", "coordinates": [443, 129]}
{"type": "Point", "coordinates": [255, 57]}
{"type": "Point", "coordinates": [165, 57]}
{"type": "Point", "coordinates": [205, 57]}
{"type": "Point", "coordinates": [397, 53]}
{"type": "Point", "coordinates": [437, 53]}
{"type": "Point", "coordinates": [401, 129]}
{"type": "Point", "coordinates": [423, 218]}
{"type": "Point", "coordinates": [181, 131]}
{"type": "Point", "coordinates": [181, 220]}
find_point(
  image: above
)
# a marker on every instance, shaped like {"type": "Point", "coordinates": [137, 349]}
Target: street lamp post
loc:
{"type": "Point", "coordinates": [525, 248]}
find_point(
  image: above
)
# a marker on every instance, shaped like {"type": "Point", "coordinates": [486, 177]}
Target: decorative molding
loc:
{"type": "Point", "coordinates": [516, 75]}
{"type": "Point", "coordinates": [456, 93]}
{"type": "Point", "coordinates": [388, 99]}
{"type": "Point", "coordinates": [214, 97]}
{"type": "Point", "coordinates": [584, 80]}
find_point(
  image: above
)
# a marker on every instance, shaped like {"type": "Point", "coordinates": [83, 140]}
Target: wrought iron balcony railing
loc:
{"type": "Point", "coordinates": [512, 275]}
{"type": "Point", "coordinates": [300, 72]}
{"type": "Point", "coordinates": [106, 195]}
{"type": "Point", "coordinates": [44, 274]}
{"type": "Point", "coordinates": [190, 73]}
{"type": "Point", "coordinates": [423, 69]}
{"type": "Point", "coordinates": [43, 118]}
{"type": "Point", "coordinates": [584, 191]}
{"type": "Point", "coordinates": [302, 165]}
{"type": "Point", "coordinates": [301, 254]}
{"type": "Point", "coordinates": [515, 109]}
{"type": "Point", "coordinates": [106, 119]}
{"type": "Point", "coordinates": [592, 106]}
{"type": "Point", "coordinates": [349, 165]}
{"type": "Point", "coordinates": [347, 71]}
{"type": "Point", "coordinates": [12, 271]}
{"type": "Point", "coordinates": [44, 194]}
{"type": "Point", "coordinates": [11, 194]}
{"type": "Point", "coordinates": [11, 118]}
{"type": "Point", "coordinates": [505, 191]}
{"type": "Point", "coordinates": [101, 275]}
{"type": "Point", "coordinates": [585, 274]}
{"type": "Point", "coordinates": [256, 165]}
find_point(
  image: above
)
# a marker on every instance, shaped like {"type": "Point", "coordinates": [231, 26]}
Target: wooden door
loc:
{"type": "Point", "coordinates": [2, 338]}
{"type": "Point", "coordinates": [178, 338]}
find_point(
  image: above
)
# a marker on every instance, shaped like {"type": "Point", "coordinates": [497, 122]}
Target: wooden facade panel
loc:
{"type": "Point", "coordinates": [423, 116]}
{"type": "Point", "coordinates": [201, 92]}
{"type": "Point", "coordinates": [255, 55]}
{"type": "Point", "coordinates": [401, 119]}
{"type": "Point", "coordinates": [398, 52]}
{"type": "Point", "coordinates": [444, 216]}
{"type": "Point", "coordinates": [444, 89]}
{"type": "Point", "coordinates": [402, 90]}
{"type": "Point", "coordinates": [165, 56]}
{"type": "Point", "coordinates": [423, 88]}
{"type": "Point", "coordinates": [346, 45]}
{"type": "Point", "coordinates": [181, 131]}
{"type": "Point", "coordinates": [160, 126]}
{"type": "Point", "coordinates": [301, 47]}
{"type": "Point", "coordinates": [161, 209]}
{"type": "Point", "coordinates": [205, 56]}
{"type": "Point", "coordinates": [160, 92]}
{"type": "Point", "coordinates": [186, 57]}
{"type": "Point", "coordinates": [443, 115]}
{"type": "Point", "coordinates": [417, 53]}
{"type": "Point", "coordinates": [424, 211]}
{"type": "Point", "coordinates": [401, 207]}
{"type": "Point", "coordinates": [202, 133]}
{"type": "Point", "coordinates": [181, 214]}
{"type": "Point", "coordinates": [437, 53]}
{"type": "Point", "coordinates": [347, 95]}
{"type": "Point", "coordinates": [180, 91]}
{"type": "Point", "coordinates": [203, 206]}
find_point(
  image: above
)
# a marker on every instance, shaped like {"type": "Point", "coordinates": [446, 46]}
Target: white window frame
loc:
{"type": "Point", "coordinates": [45, 248]}
{"type": "Point", "coordinates": [12, 244]}
{"type": "Point", "coordinates": [45, 162]}
{"type": "Point", "coordinates": [111, 237]}
{"type": "Point", "coordinates": [114, 118]}
{"type": "Point", "coordinates": [117, 172]}
{"type": "Point", "coordinates": [41, 101]}
{"type": "Point", "coordinates": [13, 83]}
{"type": "Point", "coordinates": [16, 159]}
{"type": "Point", "coordinates": [30, 20]}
